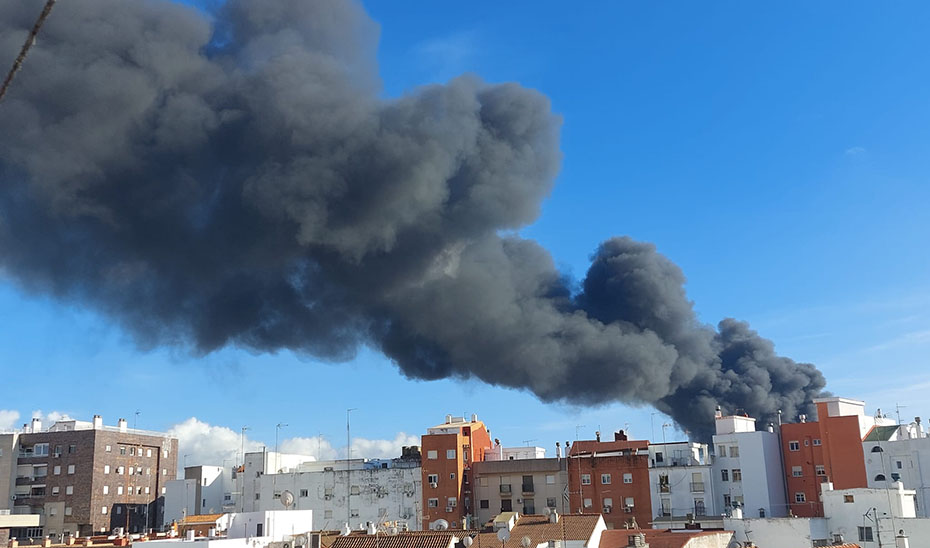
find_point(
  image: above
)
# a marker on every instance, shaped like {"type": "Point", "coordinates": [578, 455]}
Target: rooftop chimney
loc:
{"type": "Point", "coordinates": [36, 424]}
{"type": "Point", "coordinates": [802, 418]}
{"type": "Point", "coordinates": [920, 433]}
{"type": "Point", "coordinates": [474, 417]}
{"type": "Point", "coordinates": [98, 422]}
{"type": "Point", "coordinates": [554, 516]}
{"type": "Point", "coordinates": [558, 450]}
{"type": "Point", "coordinates": [598, 435]}
{"type": "Point", "coordinates": [637, 541]}
{"type": "Point", "coordinates": [900, 540]}
{"type": "Point", "coordinates": [122, 425]}
{"type": "Point", "coordinates": [718, 414]}
{"type": "Point", "coordinates": [448, 419]}
{"type": "Point", "coordinates": [620, 435]}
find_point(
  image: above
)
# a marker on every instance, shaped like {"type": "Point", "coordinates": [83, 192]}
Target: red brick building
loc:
{"type": "Point", "coordinates": [826, 450]}
{"type": "Point", "coordinates": [612, 478]}
{"type": "Point", "coordinates": [448, 450]}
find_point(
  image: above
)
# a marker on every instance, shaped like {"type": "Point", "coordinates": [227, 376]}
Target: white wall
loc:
{"type": "Point", "coordinates": [515, 453]}
{"type": "Point", "coordinates": [682, 494]}
{"type": "Point", "coordinates": [778, 532]}
{"type": "Point", "coordinates": [180, 499]}
{"type": "Point", "coordinates": [276, 525]}
{"type": "Point", "coordinates": [914, 472]}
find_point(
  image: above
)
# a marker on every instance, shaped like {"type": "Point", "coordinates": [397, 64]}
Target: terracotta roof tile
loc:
{"type": "Point", "coordinates": [204, 518]}
{"type": "Point", "coordinates": [540, 530]}
{"type": "Point", "coordinates": [421, 539]}
{"type": "Point", "coordinates": [659, 538]}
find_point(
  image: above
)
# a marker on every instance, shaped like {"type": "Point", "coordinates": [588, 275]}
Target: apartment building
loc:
{"type": "Point", "coordinates": [83, 477]}
{"type": "Point", "coordinates": [356, 491]}
{"type": "Point", "coordinates": [449, 450]}
{"type": "Point", "coordinates": [611, 478]}
{"type": "Point", "coordinates": [204, 490]}
{"type": "Point", "coordinates": [826, 450]}
{"type": "Point", "coordinates": [900, 453]}
{"type": "Point", "coordinates": [747, 468]}
{"type": "Point", "coordinates": [681, 479]}
{"type": "Point", "coordinates": [527, 485]}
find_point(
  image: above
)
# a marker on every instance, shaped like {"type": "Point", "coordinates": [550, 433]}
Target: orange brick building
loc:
{"type": "Point", "coordinates": [448, 450]}
{"type": "Point", "coordinates": [826, 450]}
{"type": "Point", "coordinates": [612, 478]}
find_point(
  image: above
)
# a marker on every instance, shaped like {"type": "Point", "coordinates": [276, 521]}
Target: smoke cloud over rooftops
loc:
{"type": "Point", "coordinates": [236, 180]}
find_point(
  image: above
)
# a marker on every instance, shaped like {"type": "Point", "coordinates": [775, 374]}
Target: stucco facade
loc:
{"type": "Point", "coordinates": [527, 486]}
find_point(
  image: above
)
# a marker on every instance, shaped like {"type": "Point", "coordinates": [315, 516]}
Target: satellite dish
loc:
{"type": "Point", "coordinates": [440, 525]}
{"type": "Point", "coordinates": [503, 535]}
{"type": "Point", "coordinates": [301, 540]}
{"type": "Point", "coordinates": [393, 530]}
{"type": "Point", "coordinates": [525, 542]}
{"type": "Point", "coordinates": [287, 499]}
{"type": "Point", "coordinates": [547, 512]}
{"type": "Point", "coordinates": [467, 542]}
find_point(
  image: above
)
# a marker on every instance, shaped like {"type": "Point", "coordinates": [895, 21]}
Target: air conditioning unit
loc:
{"type": "Point", "coordinates": [448, 509]}
{"type": "Point", "coordinates": [628, 509]}
{"type": "Point", "coordinates": [433, 484]}
{"type": "Point", "coordinates": [607, 509]}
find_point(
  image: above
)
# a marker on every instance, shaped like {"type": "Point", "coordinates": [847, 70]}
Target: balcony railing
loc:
{"type": "Point", "coordinates": [697, 486]}
{"type": "Point", "coordinates": [528, 488]}
{"type": "Point", "coordinates": [505, 488]}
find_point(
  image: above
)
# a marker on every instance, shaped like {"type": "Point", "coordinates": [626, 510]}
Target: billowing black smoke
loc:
{"type": "Point", "coordinates": [235, 180]}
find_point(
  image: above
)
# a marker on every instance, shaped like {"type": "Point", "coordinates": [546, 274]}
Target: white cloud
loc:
{"type": "Point", "coordinates": [9, 419]}
{"type": "Point", "coordinates": [208, 444]}
{"type": "Point", "coordinates": [855, 151]}
{"type": "Point", "coordinates": [51, 417]}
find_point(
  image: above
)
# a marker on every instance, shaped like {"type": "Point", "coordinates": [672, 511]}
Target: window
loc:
{"type": "Point", "coordinates": [627, 478]}
{"type": "Point", "coordinates": [664, 486]}
{"type": "Point", "coordinates": [550, 479]}
{"type": "Point", "coordinates": [70, 468]}
{"type": "Point", "coordinates": [659, 457]}
{"type": "Point", "coordinates": [865, 534]}
{"type": "Point", "coordinates": [608, 503]}
{"type": "Point", "coordinates": [354, 512]}
{"type": "Point", "coordinates": [164, 471]}
{"type": "Point", "coordinates": [450, 454]}
{"type": "Point", "coordinates": [132, 451]}
{"type": "Point", "coordinates": [817, 442]}
{"type": "Point", "coordinates": [119, 470]}
{"type": "Point", "coordinates": [103, 510]}
{"type": "Point", "coordinates": [432, 455]}
{"type": "Point", "coordinates": [55, 490]}
{"type": "Point", "coordinates": [820, 470]}
{"type": "Point", "coordinates": [67, 510]}
{"type": "Point", "coordinates": [433, 503]}
{"type": "Point", "coordinates": [483, 503]}
{"type": "Point", "coordinates": [354, 490]}
{"type": "Point", "coordinates": [119, 489]}
{"type": "Point", "coordinates": [146, 490]}
{"type": "Point", "coordinates": [880, 477]}
{"type": "Point", "coordinates": [432, 478]}
{"type": "Point", "coordinates": [58, 450]}
{"type": "Point", "coordinates": [794, 446]}
{"type": "Point", "coordinates": [737, 474]}
{"type": "Point", "coordinates": [122, 449]}
{"type": "Point", "coordinates": [162, 490]}
{"type": "Point", "coordinates": [106, 489]}
{"type": "Point", "coordinates": [585, 479]}
{"type": "Point", "coordinates": [106, 468]}
{"type": "Point", "coordinates": [72, 449]}
{"type": "Point", "coordinates": [734, 450]}
{"type": "Point", "coordinates": [451, 502]}
{"type": "Point", "coordinates": [69, 490]}
{"type": "Point", "coordinates": [587, 503]}
{"type": "Point", "coordinates": [807, 443]}
{"type": "Point", "coordinates": [506, 505]}
{"type": "Point", "coordinates": [304, 493]}
{"type": "Point", "coordinates": [132, 470]}
{"type": "Point", "coordinates": [505, 488]}
{"type": "Point", "coordinates": [328, 514]}
{"type": "Point", "coordinates": [721, 450]}
{"type": "Point", "coordinates": [550, 502]}
{"type": "Point", "coordinates": [527, 484]}
{"type": "Point", "coordinates": [848, 499]}
{"type": "Point", "coordinates": [724, 475]}
{"type": "Point", "coordinates": [108, 449]}
{"type": "Point", "coordinates": [628, 502]}
{"type": "Point", "coordinates": [895, 476]}
{"type": "Point", "coordinates": [148, 471]}
{"type": "Point", "coordinates": [52, 511]}
{"type": "Point", "coordinates": [898, 464]}
{"type": "Point", "coordinates": [877, 449]}
{"type": "Point", "coordinates": [800, 497]}
{"type": "Point", "coordinates": [40, 450]}
{"type": "Point", "coordinates": [727, 502]}
{"type": "Point", "coordinates": [165, 453]}
{"type": "Point", "coordinates": [148, 452]}
{"type": "Point", "coordinates": [796, 471]}
{"type": "Point", "coordinates": [56, 470]}
{"type": "Point", "coordinates": [605, 479]}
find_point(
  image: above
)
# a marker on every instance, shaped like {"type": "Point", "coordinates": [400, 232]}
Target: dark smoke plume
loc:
{"type": "Point", "coordinates": [236, 180]}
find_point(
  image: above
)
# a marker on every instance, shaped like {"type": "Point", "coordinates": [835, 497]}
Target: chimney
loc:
{"type": "Point", "coordinates": [122, 425]}
{"type": "Point", "coordinates": [558, 450]}
{"type": "Point", "coordinates": [900, 540]}
{"type": "Point", "coordinates": [598, 435]}
{"type": "Point", "coordinates": [620, 435]}
{"type": "Point", "coordinates": [802, 418]}
{"type": "Point", "coordinates": [637, 541]}
{"type": "Point", "coordinates": [98, 422]}
{"type": "Point", "coordinates": [554, 516]}
{"type": "Point", "coordinates": [920, 433]}
{"type": "Point", "coordinates": [36, 425]}
{"type": "Point", "coordinates": [474, 417]}
{"type": "Point", "coordinates": [718, 414]}
{"type": "Point", "coordinates": [771, 427]}
{"type": "Point", "coordinates": [371, 529]}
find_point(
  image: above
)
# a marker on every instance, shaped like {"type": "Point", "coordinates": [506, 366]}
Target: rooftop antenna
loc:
{"type": "Point", "coordinates": [30, 41]}
{"type": "Point", "coordinates": [898, 407]}
{"type": "Point", "coordinates": [527, 442]}
{"type": "Point", "coordinates": [348, 466]}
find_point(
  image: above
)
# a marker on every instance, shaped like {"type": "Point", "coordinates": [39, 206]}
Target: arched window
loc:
{"type": "Point", "coordinates": [880, 477]}
{"type": "Point", "coordinates": [877, 449]}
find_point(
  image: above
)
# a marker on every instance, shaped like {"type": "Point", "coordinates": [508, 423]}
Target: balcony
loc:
{"type": "Point", "coordinates": [528, 489]}
{"type": "Point", "coordinates": [664, 488]}
{"type": "Point", "coordinates": [505, 489]}
{"type": "Point", "coordinates": [697, 486]}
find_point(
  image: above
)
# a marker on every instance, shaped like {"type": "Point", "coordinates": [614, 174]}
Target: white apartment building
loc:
{"type": "Point", "coordinates": [682, 483]}
{"type": "Point", "coordinates": [871, 518]}
{"type": "Point", "coordinates": [900, 453]}
{"type": "Point", "coordinates": [356, 491]}
{"type": "Point", "coordinates": [204, 490]}
{"type": "Point", "coordinates": [747, 469]}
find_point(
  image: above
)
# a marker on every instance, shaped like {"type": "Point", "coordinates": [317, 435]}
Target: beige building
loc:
{"type": "Point", "coordinates": [526, 486]}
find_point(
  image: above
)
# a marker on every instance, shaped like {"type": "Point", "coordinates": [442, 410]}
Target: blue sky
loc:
{"type": "Point", "coordinates": [778, 154]}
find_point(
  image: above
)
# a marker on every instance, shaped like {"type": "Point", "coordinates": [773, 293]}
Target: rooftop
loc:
{"type": "Point", "coordinates": [658, 538]}
{"type": "Point", "coordinates": [539, 529]}
{"type": "Point", "coordinates": [592, 446]}
{"type": "Point", "coordinates": [880, 433]}
{"type": "Point", "coordinates": [422, 539]}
